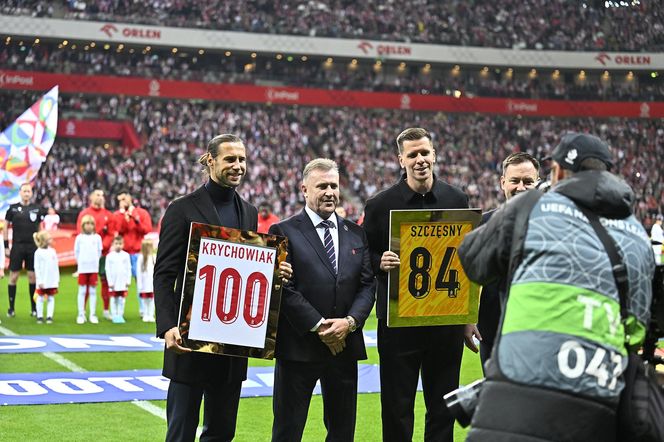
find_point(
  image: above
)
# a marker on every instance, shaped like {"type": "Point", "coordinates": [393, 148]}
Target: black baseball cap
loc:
{"type": "Point", "coordinates": [575, 147]}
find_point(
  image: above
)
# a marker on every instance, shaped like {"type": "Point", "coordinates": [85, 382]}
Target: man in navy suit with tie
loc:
{"type": "Point", "coordinates": [323, 310]}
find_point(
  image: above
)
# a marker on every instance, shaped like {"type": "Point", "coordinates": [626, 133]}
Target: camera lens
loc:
{"type": "Point", "coordinates": [462, 402]}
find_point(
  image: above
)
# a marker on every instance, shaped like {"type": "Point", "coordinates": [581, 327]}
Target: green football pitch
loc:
{"type": "Point", "coordinates": [144, 421]}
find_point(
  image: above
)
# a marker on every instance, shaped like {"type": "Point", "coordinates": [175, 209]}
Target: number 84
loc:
{"type": "Point", "coordinates": [419, 279]}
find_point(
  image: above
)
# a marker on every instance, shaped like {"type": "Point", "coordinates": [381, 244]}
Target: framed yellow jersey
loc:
{"type": "Point", "coordinates": [430, 286]}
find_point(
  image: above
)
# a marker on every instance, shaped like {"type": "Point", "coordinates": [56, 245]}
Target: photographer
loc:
{"type": "Point", "coordinates": [555, 372]}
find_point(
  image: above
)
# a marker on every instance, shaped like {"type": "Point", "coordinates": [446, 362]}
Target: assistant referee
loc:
{"type": "Point", "coordinates": [24, 218]}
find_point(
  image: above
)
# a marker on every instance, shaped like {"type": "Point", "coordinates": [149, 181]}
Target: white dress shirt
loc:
{"type": "Point", "coordinates": [316, 220]}
{"type": "Point", "coordinates": [334, 232]}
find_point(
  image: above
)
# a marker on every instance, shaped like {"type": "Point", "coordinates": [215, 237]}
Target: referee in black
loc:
{"type": "Point", "coordinates": [25, 219]}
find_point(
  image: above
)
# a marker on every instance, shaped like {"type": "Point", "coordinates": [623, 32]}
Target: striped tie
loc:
{"type": "Point", "coordinates": [328, 243]}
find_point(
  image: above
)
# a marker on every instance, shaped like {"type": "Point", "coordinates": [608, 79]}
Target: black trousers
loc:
{"type": "Point", "coordinates": [489, 320]}
{"type": "Point", "coordinates": [486, 347]}
{"type": "Point", "coordinates": [294, 383]}
{"type": "Point", "coordinates": [183, 405]}
{"type": "Point", "coordinates": [405, 353]}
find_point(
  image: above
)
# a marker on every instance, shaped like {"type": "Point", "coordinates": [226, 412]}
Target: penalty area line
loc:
{"type": "Point", "coordinates": [150, 408]}
{"type": "Point", "coordinates": [69, 365]}
{"type": "Point", "coordinates": [73, 367]}
{"type": "Point", "coordinates": [6, 331]}
{"type": "Point", "coordinates": [58, 359]}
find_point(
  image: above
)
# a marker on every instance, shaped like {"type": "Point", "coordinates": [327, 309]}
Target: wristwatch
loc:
{"type": "Point", "coordinates": [352, 325]}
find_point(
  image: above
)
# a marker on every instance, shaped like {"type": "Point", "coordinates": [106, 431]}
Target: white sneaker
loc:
{"type": "Point", "coordinates": [80, 319]}
{"type": "Point", "coordinates": [93, 319]}
{"type": "Point", "coordinates": [107, 315]}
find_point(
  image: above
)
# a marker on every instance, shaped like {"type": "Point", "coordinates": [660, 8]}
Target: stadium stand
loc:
{"type": "Point", "coordinates": [282, 138]}
{"type": "Point", "coordinates": [322, 72]}
{"type": "Point", "coordinates": [298, 79]}
{"type": "Point", "coordinates": [533, 24]}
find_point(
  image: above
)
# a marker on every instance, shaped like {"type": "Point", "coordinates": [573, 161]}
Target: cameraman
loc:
{"type": "Point", "coordinates": [555, 372]}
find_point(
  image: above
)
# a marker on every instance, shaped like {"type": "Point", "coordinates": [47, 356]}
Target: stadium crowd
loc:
{"type": "Point", "coordinates": [282, 139]}
{"type": "Point", "coordinates": [469, 149]}
{"type": "Point", "coordinates": [525, 24]}
{"type": "Point", "coordinates": [367, 76]}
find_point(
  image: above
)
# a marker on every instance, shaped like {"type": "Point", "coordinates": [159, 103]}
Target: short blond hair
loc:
{"type": "Point", "coordinates": [323, 164]}
{"type": "Point", "coordinates": [41, 238]}
{"type": "Point", "coordinates": [88, 219]}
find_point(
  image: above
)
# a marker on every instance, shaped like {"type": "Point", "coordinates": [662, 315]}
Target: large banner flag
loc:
{"type": "Point", "coordinates": [24, 146]}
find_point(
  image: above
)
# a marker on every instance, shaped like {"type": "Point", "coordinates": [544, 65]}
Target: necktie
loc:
{"type": "Point", "coordinates": [328, 244]}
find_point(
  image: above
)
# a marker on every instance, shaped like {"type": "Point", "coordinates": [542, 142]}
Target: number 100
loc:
{"type": "Point", "coordinates": [227, 305]}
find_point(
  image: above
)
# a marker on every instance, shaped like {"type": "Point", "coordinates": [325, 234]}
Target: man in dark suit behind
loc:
{"type": "Point", "coordinates": [192, 374]}
{"type": "Point", "coordinates": [322, 312]}
{"type": "Point", "coordinates": [520, 173]}
{"type": "Point", "coordinates": [435, 351]}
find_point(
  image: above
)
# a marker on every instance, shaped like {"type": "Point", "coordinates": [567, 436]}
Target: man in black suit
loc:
{"type": "Point", "coordinates": [435, 351]}
{"type": "Point", "coordinates": [322, 311]}
{"type": "Point", "coordinates": [520, 173]}
{"type": "Point", "coordinates": [192, 374]}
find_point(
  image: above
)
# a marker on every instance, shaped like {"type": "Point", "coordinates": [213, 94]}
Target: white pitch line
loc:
{"type": "Point", "coordinates": [71, 366]}
{"type": "Point", "coordinates": [150, 408]}
{"type": "Point", "coordinates": [7, 332]}
{"type": "Point", "coordinates": [58, 359]}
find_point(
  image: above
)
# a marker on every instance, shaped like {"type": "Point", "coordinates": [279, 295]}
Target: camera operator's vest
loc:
{"type": "Point", "coordinates": [561, 328]}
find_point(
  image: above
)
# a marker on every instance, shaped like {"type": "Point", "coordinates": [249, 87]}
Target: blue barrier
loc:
{"type": "Point", "coordinates": [129, 385]}
{"type": "Point", "coordinates": [98, 343]}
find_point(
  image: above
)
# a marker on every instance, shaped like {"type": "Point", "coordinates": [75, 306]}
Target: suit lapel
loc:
{"type": "Point", "coordinates": [245, 222]}
{"type": "Point", "coordinates": [248, 218]}
{"type": "Point", "coordinates": [205, 206]}
{"type": "Point", "coordinates": [311, 235]}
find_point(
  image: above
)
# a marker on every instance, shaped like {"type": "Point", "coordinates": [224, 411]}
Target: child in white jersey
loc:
{"type": "Point", "coordinates": [144, 276]}
{"type": "Point", "coordinates": [47, 276]}
{"type": "Point", "coordinates": [87, 250]}
{"type": "Point", "coordinates": [118, 275]}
